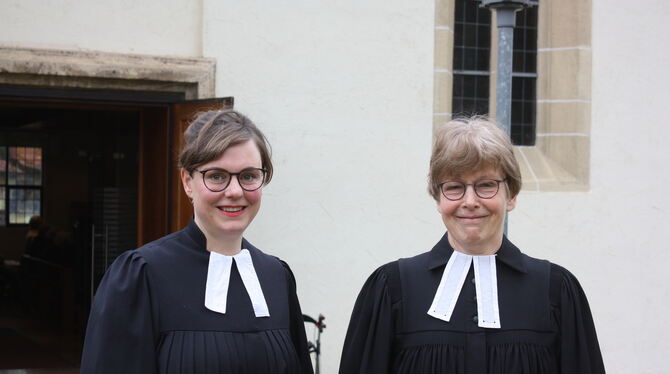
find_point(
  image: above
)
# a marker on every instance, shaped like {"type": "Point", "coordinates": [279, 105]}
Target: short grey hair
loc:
{"type": "Point", "coordinates": [468, 144]}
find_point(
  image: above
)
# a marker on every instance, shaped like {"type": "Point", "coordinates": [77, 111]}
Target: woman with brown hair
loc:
{"type": "Point", "coordinates": [203, 299]}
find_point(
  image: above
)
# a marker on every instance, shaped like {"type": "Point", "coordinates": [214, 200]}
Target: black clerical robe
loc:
{"type": "Point", "coordinates": [148, 315]}
{"type": "Point", "coordinates": [546, 323]}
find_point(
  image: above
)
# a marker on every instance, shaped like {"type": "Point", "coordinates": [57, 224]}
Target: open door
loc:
{"type": "Point", "coordinates": [110, 183]}
{"type": "Point", "coordinates": [182, 115]}
{"type": "Point", "coordinates": [154, 175]}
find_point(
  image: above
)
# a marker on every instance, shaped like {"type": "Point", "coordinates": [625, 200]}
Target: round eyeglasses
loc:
{"type": "Point", "coordinates": [484, 188]}
{"type": "Point", "coordinates": [217, 180]}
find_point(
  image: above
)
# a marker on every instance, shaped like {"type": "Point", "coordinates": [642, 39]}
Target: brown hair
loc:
{"type": "Point", "coordinates": [212, 132]}
{"type": "Point", "coordinates": [469, 144]}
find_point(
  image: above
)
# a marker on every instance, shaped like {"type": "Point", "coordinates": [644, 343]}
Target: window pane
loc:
{"type": "Point", "coordinates": [482, 59]}
{"type": "Point", "coordinates": [458, 32]}
{"type": "Point", "coordinates": [458, 59]}
{"type": "Point", "coordinates": [525, 40]}
{"type": "Point", "coordinates": [470, 87]}
{"type": "Point", "coordinates": [481, 106]}
{"type": "Point", "coordinates": [470, 95]}
{"type": "Point", "coordinates": [484, 36]}
{"type": "Point", "coordinates": [517, 89]}
{"type": "Point", "coordinates": [483, 87]}
{"type": "Point", "coordinates": [23, 204]}
{"type": "Point", "coordinates": [25, 166]}
{"type": "Point", "coordinates": [470, 34]}
{"type": "Point", "coordinates": [3, 209]}
{"type": "Point", "coordinates": [518, 61]}
{"type": "Point", "coordinates": [3, 166]}
{"type": "Point", "coordinates": [458, 86]}
{"type": "Point", "coordinates": [470, 62]}
{"type": "Point", "coordinates": [472, 41]}
{"type": "Point", "coordinates": [523, 110]}
{"type": "Point", "coordinates": [470, 9]}
{"type": "Point", "coordinates": [523, 88]}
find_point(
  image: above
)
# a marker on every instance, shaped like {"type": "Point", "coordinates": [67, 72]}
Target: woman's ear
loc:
{"type": "Point", "coordinates": [511, 203]}
{"type": "Point", "coordinates": [186, 180]}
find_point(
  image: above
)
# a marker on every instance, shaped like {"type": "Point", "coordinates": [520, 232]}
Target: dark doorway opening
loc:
{"type": "Point", "coordinates": [108, 183]}
{"type": "Point", "coordinates": [88, 208]}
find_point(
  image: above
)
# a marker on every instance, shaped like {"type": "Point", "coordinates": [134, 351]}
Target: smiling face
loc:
{"type": "Point", "coordinates": [475, 225]}
{"type": "Point", "coordinates": [223, 216]}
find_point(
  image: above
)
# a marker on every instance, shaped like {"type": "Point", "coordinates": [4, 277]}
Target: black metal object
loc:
{"type": "Point", "coordinates": [315, 347]}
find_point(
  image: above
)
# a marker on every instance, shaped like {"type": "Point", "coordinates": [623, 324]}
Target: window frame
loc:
{"type": "Point", "coordinates": [524, 129]}
{"type": "Point", "coordinates": [475, 19]}
{"type": "Point", "coordinates": [8, 187]}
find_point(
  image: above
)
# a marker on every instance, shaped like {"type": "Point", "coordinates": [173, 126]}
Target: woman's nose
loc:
{"type": "Point", "coordinates": [470, 198]}
{"type": "Point", "coordinates": [234, 188]}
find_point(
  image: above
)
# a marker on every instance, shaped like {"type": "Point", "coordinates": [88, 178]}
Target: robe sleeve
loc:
{"type": "Point", "coordinates": [297, 325]}
{"type": "Point", "coordinates": [579, 348]}
{"type": "Point", "coordinates": [368, 346]}
{"type": "Point", "coordinates": [121, 334]}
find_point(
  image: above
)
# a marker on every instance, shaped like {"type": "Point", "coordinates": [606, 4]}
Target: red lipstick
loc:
{"type": "Point", "coordinates": [232, 210]}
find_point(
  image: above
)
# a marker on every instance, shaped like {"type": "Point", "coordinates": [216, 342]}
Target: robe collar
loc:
{"type": "Point", "coordinates": [194, 232]}
{"type": "Point", "coordinates": [508, 254]}
{"type": "Point", "coordinates": [218, 282]}
{"type": "Point", "coordinates": [218, 274]}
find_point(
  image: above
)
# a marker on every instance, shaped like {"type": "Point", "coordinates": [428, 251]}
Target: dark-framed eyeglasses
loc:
{"type": "Point", "coordinates": [217, 180]}
{"type": "Point", "coordinates": [484, 188]}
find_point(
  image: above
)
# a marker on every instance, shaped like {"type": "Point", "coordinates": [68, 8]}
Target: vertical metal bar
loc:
{"type": "Point", "coordinates": [506, 18]}
{"type": "Point", "coordinates": [92, 262]}
{"type": "Point", "coordinates": [106, 247]}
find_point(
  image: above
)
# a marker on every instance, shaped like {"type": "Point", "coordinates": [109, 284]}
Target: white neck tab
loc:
{"type": "Point", "coordinates": [218, 281]}
{"type": "Point", "coordinates": [451, 284]}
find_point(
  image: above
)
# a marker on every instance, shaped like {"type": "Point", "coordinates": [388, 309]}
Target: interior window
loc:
{"type": "Point", "coordinates": [20, 184]}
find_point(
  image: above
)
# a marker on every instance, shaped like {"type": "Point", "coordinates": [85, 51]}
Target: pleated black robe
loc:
{"type": "Point", "coordinates": [148, 315]}
{"type": "Point", "coordinates": [546, 323]}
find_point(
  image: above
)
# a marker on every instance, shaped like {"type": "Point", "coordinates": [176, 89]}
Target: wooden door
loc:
{"type": "Point", "coordinates": [182, 115]}
{"type": "Point", "coordinates": [153, 213]}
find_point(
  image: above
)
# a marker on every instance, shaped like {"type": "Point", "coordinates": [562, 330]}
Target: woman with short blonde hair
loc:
{"type": "Point", "coordinates": [474, 304]}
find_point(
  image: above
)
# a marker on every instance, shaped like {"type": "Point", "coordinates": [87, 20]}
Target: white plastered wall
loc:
{"type": "Point", "coordinates": [613, 237]}
{"type": "Point", "coordinates": [343, 90]}
{"type": "Point", "coordinates": [169, 27]}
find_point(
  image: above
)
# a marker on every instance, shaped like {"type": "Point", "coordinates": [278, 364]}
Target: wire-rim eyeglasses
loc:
{"type": "Point", "coordinates": [484, 188]}
{"type": "Point", "coordinates": [217, 180]}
